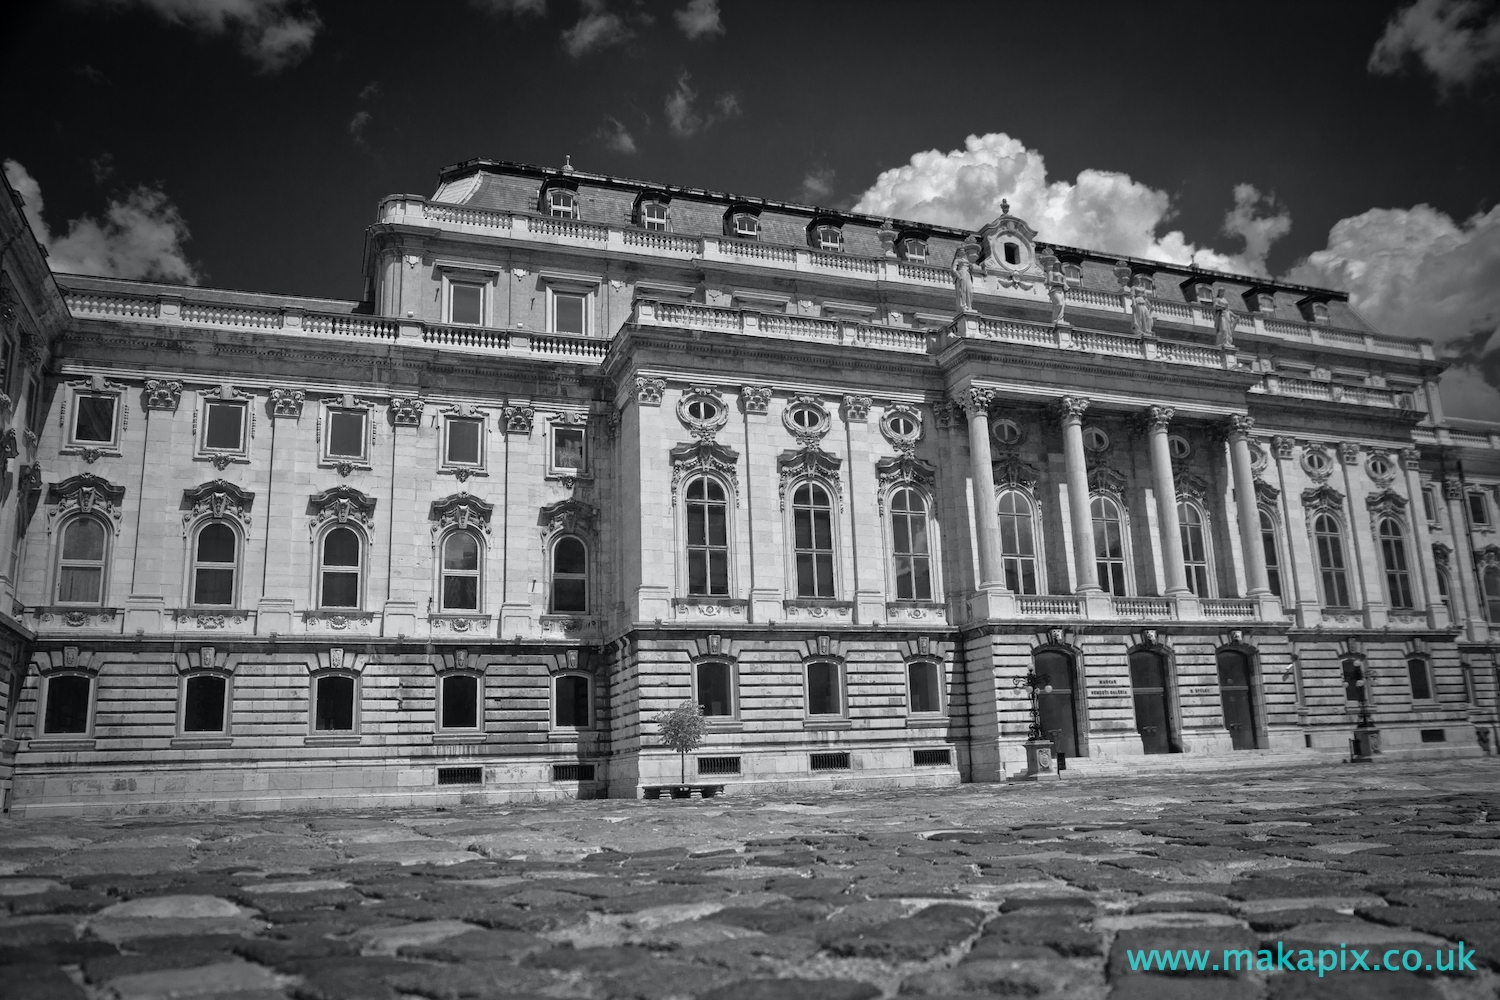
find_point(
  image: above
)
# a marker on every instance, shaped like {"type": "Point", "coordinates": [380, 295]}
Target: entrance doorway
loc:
{"type": "Point", "coordinates": [1148, 682]}
{"type": "Point", "coordinates": [1234, 692]}
{"type": "Point", "coordinates": [1058, 710]}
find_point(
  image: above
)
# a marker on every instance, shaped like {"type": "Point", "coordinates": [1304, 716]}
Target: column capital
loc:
{"type": "Point", "coordinates": [1453, 489]}
{"type": "Point", "coordinates": [1411, 458]}
{"type": "Point", "coordinates": [1348, 452]}
{"type": "Point", "coordinates": [1157, 418]}
{"type": "Point", "coordinates": [1283, 445]}
{"type": "Point", "coordinates": [974, 401]}
{"type": "Point", "coordinates": [1071, 407]}
{"type": "Point", "coordinates": [1240, 424]}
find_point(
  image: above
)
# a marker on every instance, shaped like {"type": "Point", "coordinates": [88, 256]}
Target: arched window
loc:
{"type": "Point", "coordinates": [911, 550]}
{"type": "Point", "coordinates": [214, 561]}
{"type": "Point", "coordinates": [1443, 594]}
{"type": "Point", "coordinates": [1271, 547]}
{"type": "Point", "coordinates": [1393, 553]}
{"type": "Point", "coordinates": [824, 688]}
{"type": "Point", "coordinates": [341, 556]}
{"type": "Point", "coordinates": [1329, 537]}
{"type": "Point", "coordinates": [1492, 594]}
{"type": "Point", "coordinates": [1194, 548]}
{"type": "Point", "coordinates": [570, 575]}
{"type": "Point", "coordinates": [562, 203]}
{"type": "Point", "coordinates": [829, 238]}
{"type": "Point", "coordinates": [1017, 542]}
{"type": "Point", "coordinates": [80, 569]}
{"type": "Point", "coordinates": [812, 524]}
{"type": "Point", "coordinates": [707, 538]}
{"type": "Point", "coordinates": [461, 572]}
{"type": "Point", "coordinates": [1109, 545]}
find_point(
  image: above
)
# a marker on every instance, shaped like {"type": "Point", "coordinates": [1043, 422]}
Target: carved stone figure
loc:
{"type": "Point", "coordinates": [963, 282]}
{"type": "Point", "coordinates": [1141, 318]}
{"type": "Point", "coordinates": [1223, 320]}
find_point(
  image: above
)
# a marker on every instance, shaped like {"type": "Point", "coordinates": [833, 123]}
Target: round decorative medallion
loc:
{"type": "Point", "coordinates": [902, 425]}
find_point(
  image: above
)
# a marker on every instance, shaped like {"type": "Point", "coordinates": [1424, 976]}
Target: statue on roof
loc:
{"type": "Point", "coordinates": [1057, 286]}
{"type": "Point", "coordinates": [1224, 321]}
{"type": "Point", "coordinates": [1141, 317]}
{"type": "Point", "coordinates": [963, 280]}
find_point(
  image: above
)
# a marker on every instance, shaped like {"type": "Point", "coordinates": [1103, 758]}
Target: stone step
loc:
{"type": "Point", "coordinates": [1092, 767]}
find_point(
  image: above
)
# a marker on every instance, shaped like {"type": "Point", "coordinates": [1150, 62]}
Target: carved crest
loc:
{"type": "Point", "coordinates": [461, 510]}
{"type": "Point", "coordinates": [406, 411]}
{"type": "Point", "coordinates": [1009, 470]}
{"type": "Point", "coordinates": [1266, 493]}
{"type": "Point", "coordinates": [704, 456]}
{"type": "Point", "coordinates": [810, 462]}
{"type": "Point", "coordinates": [648, 391]}
{"type": "Point", "coordinates": [287, 402]}
{"type": "Point", "coordinates": [755, 398]}
{"type": "Point", "coordinates": [517, 419]}
{"type": "Point", "coordinates": [218, 499]}
{"type": "Point", "coordinates": [342, 504]}
{"type": "Point", "coordinates": [1103, 479]}
{"type": "Point", "coordinates": [1190, 485]}
{"type": "Point", "coordinates": [856, 408]}
{"type": "Point", "coordinates": [1386, 503]}
{"type": "Point", "coordinates": [1323, 498]}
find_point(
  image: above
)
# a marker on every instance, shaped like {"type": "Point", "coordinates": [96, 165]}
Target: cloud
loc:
{"type": "Point", "coordinates": [516, 7]}
{"type": "Point", "coordinates": [615, 136]}
{"type": "Point", "coordinates": [370, 91]}
{"type": "Point", "coordinates": [357, 127]}
{"type": "Point", "coordinates": [1416, 272]}
{"type": "Point", "coordinates": [597, 29]}
{"type": "Point", "coordinates": [1100, 209]}
{"type": "Point", "coordinates": [275, 34]}
{"type": "Point", "coordinates": [683, 116]}
{"type": "Point", "coordinates": [141, 235]}
{"type": "Point", "coordinates": [817, 185]}
{"type": "Point", "coordinates": [699, 19]}
{"type": "Point", "coordinates": [102, 167]}
{"type": "Point", "coordinates": [1457, 41]}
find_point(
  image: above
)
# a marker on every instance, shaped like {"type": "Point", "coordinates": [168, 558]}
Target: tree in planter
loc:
{"type": "Point", "coordinates": [682, 729]}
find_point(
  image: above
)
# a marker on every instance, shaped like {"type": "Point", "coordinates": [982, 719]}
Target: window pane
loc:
{"type": "Point", "coordinates": [340, 590]}
{"type": "Point", "coordinates": [825, 575]}
{"type": "Point", "coordinates": [1352, 678]}
{"type": "Point", "coordinates": [822, 689]}
{"type": "Point", "coordinates": [67, 705]}
{"type": "Point", "coordinates": [806, 580]}
{"type": "Point", "coordinates": [335, 704]}
{"type": "Point", "coordinates": [925, 693]}
{"type": "Point", "coordinates": [216, 543]}
{"type": "Point", "coordinates": [713, 689]}
{"type": "Point", "coordinates": [463, 442]}
{"type": "Point", "coordinates": [468, 304]}
{"type": "Point", "coordinates": [346, 433]}
{"type": "Point", "coordinates": [698, 572]}
{"type": "Point", "coordinates": [1421, 686]}
{"type": "Point", "coordinates": [573, 701]}
{"type": "Point", "coordinates": [922, 579]}
{"type": "Point", "coordinates": [84, 540]}
{"type": "Point", "coordinates": [1479, 512]}
{"type": "Point", "coordinates": [569, 595]}
{"type": "Point", "coordinates": [213, 586]}
{"type": "Point", "coordinates": [80, 585]}
{"type": "Point", "coordinates": [568, 313]}
{"type": "Point", "coordinates": [718, 573]}
{"type": "Point", "coordinates": [802, 527]}
{"type": "Point", "coordinates": [96, 419]}
{"type": "Point", "coordinates": [569, 556]}
{"type": "Point", "coordinates": [718, 525]}
{"type": "Point", "coordinates": [341, 548]}
{"type": "Point", "coordinates": [460, 593]}
{"type": "Point", "coordinates": [461, 551]}
{"type": "Point", "coordinates": [203, 705]}
{"type": "Point", "coordinates": [460, 702]}
{"type": "Point", "coordinates": [697, 524]}
{"type": "Point", "coordinates": [567, 448]}
{"type": "Point", "coordinates": [224, 421]}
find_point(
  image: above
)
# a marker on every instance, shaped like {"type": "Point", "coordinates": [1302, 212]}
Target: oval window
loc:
{"type": "Point", "coordinates": [806, 417]}
{"type": "Point", "coordinates": [1007, 432]}
{"type": "Point", "coordinates": [1317, 461]}
{"type": "Point", "coordinates": [902, 425]}
{"type": "Point", "coordinates": [1094, 439]}
{"type": "Point", "coordinates": [1380, 467]}
{"type": "Point", "coordinates": [702, 409]}
{"type": "Point", "coordinates": [1179, 446]}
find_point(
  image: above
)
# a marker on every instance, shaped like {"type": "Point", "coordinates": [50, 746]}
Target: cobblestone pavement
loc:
{"type": "Point", "coordinates": [980, 890]}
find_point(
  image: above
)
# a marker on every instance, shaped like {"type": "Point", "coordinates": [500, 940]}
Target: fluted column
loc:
{"type": "Point", "coordinates": [1466, 607]}
{"type": "Point", "coordinates": [1425, 567]}
{"type": "Point", "coordinates": [1256, 580]}
{"type": "Point", "coordinates": [976, 406]}
{"type": "Point", "coordinates": [1157, 418]}
{"type": "Point", "coordinates": [1085, 570]}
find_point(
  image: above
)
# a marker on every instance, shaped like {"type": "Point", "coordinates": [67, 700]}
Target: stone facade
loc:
{"type": "Point", "coordinates": [590, 448]}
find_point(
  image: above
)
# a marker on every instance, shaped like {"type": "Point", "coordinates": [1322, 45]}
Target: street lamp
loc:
{"type": "Point", "coordinates": [1035, 685]}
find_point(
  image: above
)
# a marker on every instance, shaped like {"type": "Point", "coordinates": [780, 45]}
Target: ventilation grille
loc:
{"type": "Point", "coordinates": [930, 758]}
{"type": "Point", "coordinates": [1434, 736]}
{"type": "Point", "coordinates": [830, 762]}
{"type": "Point", "coordinates": [718, 765]}
{"type": "Point", "coordinates": [460, 775]}
{"type": "Point", "coordinates": [572, 772]}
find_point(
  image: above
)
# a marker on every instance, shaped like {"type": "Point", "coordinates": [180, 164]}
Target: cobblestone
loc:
{"type": "Point", "coordinates": [975, 891]}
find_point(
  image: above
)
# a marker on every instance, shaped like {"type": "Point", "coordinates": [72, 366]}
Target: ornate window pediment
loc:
{"type": "Point", "coordinates": [810, 462]}
{"type": "Point", "coordinates": [1190, 485]}
{"type": "Point", "coordinates": [218, 499]}
{"type": "Point", "coordinates": [1009, 470]}
{"type": "Point", "coordinates": [461, 510]}
{"type": "Point", "coordinates": [342, 504]}
{"type": "Point", "coordinates": [1103, 479]}
{"type": "Point", "coordinates": [1386, 503]}
{"type": "Point", "coordinates": [1487, 557]}
{"type": "Point", "coordinates": [568, 517]}
{"type": "Point", "coordinates": [1323, 498]}
{"type": "Point", "coordinates": [705, 456]}
{"type": "Point", "coordinates": [84, 494]}
{"type": "Point", "coordinates": [902, 470]}
{"type": "Point", "coordinates": [1265, 492]}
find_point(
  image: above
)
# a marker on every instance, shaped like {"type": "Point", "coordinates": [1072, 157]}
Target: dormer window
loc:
{"type": "Point", "coordinates": [1314, 311]}
{"type": "Point", "coordinates": [745, 226]}
{"type": "Point", "coordinates": [562, 203]}
{"type": "Point", "coordinates": [1012, 252]}
{"type": "Point", "coordinates": [914, 249]}
{"type": "Point", "coordinates": [652, 215]}
{"type": "Point", "coordinates": [828, 237]}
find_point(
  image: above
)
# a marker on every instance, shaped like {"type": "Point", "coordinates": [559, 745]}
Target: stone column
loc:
{"type": "Point", "coordinates": [1258, 585]}
{"type": "Point", "coordinates": [994, 601]}
{"type": "Point", "coordinates": [1461, 577]}
{"type": "Point", "coordinates": [1085, 570]}
{"type": "Point", "coordinates": [1300, 573]}
{"type": "Point", "coordinates": [1423, 565]}
{"type": "Point", "coordinates": [1368, 563]}
{"type": "Point", "coordinates": [1157, 418]}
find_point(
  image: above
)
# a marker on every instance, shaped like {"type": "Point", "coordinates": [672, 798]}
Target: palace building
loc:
{"type": "Point", "coordinates": [589, 447]}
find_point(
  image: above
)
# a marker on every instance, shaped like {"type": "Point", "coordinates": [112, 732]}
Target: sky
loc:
{"type": "Point", "coordinates": [246, 143]}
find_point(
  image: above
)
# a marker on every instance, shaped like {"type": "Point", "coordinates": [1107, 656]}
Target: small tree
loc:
{"type": "Point", "coordinates": [682, 729]}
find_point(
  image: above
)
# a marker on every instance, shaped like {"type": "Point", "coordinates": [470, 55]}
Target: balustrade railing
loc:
{"type": "Point", "coordinates": [1142, 607]}
{"type": "Point", "coordinates": [1016, 332]}
{"type": "Point", "coordinates": [1189, 354]}
{"type": "Point", "coordinates": [469, 337]}
{"type": "Point", "coordinates": [894, 338]}
{"type": "Point", "coordinates": [568, 347]}
{"type": "Point", "coordinates": [1049, 606]}
{"type": "Point", "coordinates": [842, 262]}
{"type": "Point", "coordinates": [801, 327]}
{"type": "Point", "coordinates": [1107, 343]}
{"type": "Point", "coordinates": [350, 326]}
{"type": "Point", "coordinates": [210, 314]}
{"type": "Point", "coordinates": [1228, 607]}
{"type": "Point", "coordinates": [1098, 300]}
{"type": "Point", "coordinates": [549, 226]}
{"type": "Point", "coordinates": [924, 272]}
{"type": "Point", "coordinates": [465, 216]}
{"type": "Point", "coordinates": [759, 251]}
{"type": "Point", "coordinates": [669, 242]}
{"type": "Point", "coordinates": [129, 306]}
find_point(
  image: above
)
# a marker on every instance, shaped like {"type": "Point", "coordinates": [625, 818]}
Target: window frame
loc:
{"type": "Point", "coordinates": [206, 404]}
{"type": "Point", "coordinates": [1361, 680]}
{"type": "Point", "coordinates": [686, 546]}
{"type": "Point", "coordinates": [735, 216]}
{"type": "Point", "coordinates": [942, 688]}
{"type": "Point", "coordinates": [326, 456]}
{"type": "Point", "coordinates": [930, 556]}
{"type": "Point", "coordinates": [643, 222]}
{"type": "Point", "coordinates": [1127, 575]}
{"type": "Point", "coordinates": [1428, 678]}
{"type": "Point", "coordinates": [552, 574]}
{"type": "Point", "coordinates": [555, 471]}
{"type": "Point", "coordinates": [1270, 526]}
{"type": "Point", "coordinates": [1197, 571]}
{"type": "Point", "coordinates": [1490, 595]}
{"type": "Point", "coordinates": [44, 706]}
{"type": "Point", "coordinates": [103, 563]}
{"type": "Point", "coordinates": [1397, 578]}
{"type": "Point", "coordinates": [590, 695]}
{"type": "Point", "coordinates": [1484, 520]}
{"type": "Point", "coordinates": [226, 711]}
{"type": "Point", "coordinates": [832, 552]}
{"type": "Point", "coordinates": [1325, 572]}
{"type": "Point", "coordinates": [477, 574]}
{"type": "Point", "coordinates": [1431, 507]}
{"type": "Point", "coordinates": [320, 567]}
{"type": "Point", "coordinates": [826, 237]}
{"type": "Point", "coordinates": [553, 197]}
{"type": "Point", "coordinates": [315, 699]}
{"type": "Point", "coordinates": [585, 287]}
{"type": "Point", "coordinates": [732, 671]}
{"type": "Point", "coordinates": [1038, 564]}
{"type": "Point", "coordinates": [75, 395]}
{"type": "Point", "coordinates": [235, 568]}
{"type": "Point", "coordinates": [481, 462]}
{"type": "Point", "coordinates": [450, 287]}
{"type": "Point", "coordinates": [841, 689]}
{"type": "Point", "coordinates": [906, 244]}
{"type": "Point", "coordinates": [440, 701]}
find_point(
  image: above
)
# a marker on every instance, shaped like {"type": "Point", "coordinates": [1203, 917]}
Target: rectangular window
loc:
{"type": "Point", "coordinates": [224, 426]}
{"type": "Point", "coordinates": [824, 696]}
{"type": "Point", "coordinates": [572, 708]}
{"type": "Point", "coordinates": [94, 418]}
{"type": "Point", "coordinates": [1421, 679]}
{"type": "Point", "coordinates": [465, 303]}
{"type": "Point", "coordinates": [203, 702]}
{"type": "Point", "coordinates": [1354, 681]}
{"type": "Point", "coordinates": [654, 215]}
{"type": "Point", "coordinates": [346, 434]}
{"type": "Point", "coordinates": [568, 312]}
{"type": "Point", "coordinates": [67, 705]}
{"type": "Point", "coordinates": [925, 686]}
{"type": "Point", "coordinates": [334, 695]}
{"type": "Point", "coordinates": [1479, 509]}
{"type": "Point", "coordinates": [715, 689]}
{"type": "Point", "coordinates": [1429, 505]}
{"type": "Point", "coordinates": [567, 449]}
{"type": "Point", "coordinates": [464, 437]}
{"type": "Point", "coordinates": [460, 702]}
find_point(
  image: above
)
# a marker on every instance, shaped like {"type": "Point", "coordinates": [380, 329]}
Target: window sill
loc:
{"type": "Point", "coordinates": [332, 740]}
{"type": "Point", "coordinates": [827, 724]}
{"type": "Point", "coordinates": [463, 472]}
{"type": "Point", "coordinates": [933, 721]}
{"type": "Point", "coordinates": [725, 726]}
{"type": "Point", "coordinates": [570, 735]}
{"type": "Point", "coordinates": [460, 623]}
{"type": "Point", "coordinates": [201, 742]}
{"type": "Point", "coordinates": [61, 743]}
{"type": "Point", "coordinates": [220, 459]}
{"type": "Point", "coordinates": [450, 739]}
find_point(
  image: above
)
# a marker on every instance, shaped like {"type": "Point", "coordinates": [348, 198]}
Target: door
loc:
{"type": "Point", "coordinates": [1148, 682]}
{"type": "Point", "coordinates": [1058, 711]}
{"type": "Point", "coordinates": [1234, 692]}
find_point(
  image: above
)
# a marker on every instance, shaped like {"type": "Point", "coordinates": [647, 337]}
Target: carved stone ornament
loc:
{"type": "Point", "coordinates": [944, 414]}
{"type": "Point", "coordinates": [1386, 503]}
{"type": "Point", "coordinates": [1441, 553]}
{"type": "Point", "coordinates": [85, 493]}
{"type": "Point", "coordinates": [342, 504]}
{"type": "Point", "coordinates": [1157, 417]}
{"type": "Point", "coordinates": [1150, 636]}
{"type": "Point", "coordinates": [1266, 493]}
{"type": "Point", "coordinates": [702, 411]}
{"type": "Point", "coordinates": [219, 499]}
{"type": "Point", "coordinates": [162, 395]}
{"type": "Point", "coordinates": [974, 401]}
{"type": "Point", "coordinates": [1055, 636]}
{"type": "Point", "coordinates": [517, 419]}
{"type": "Point", "coordinates": [1009, 470]}
{"type": "Point", "coordinates": [1453, 489]}
{"type": "Point", "coordinates": [1071, 408]}
{"type": "Point", "coordinates": [807, 419]}
{"type": "Point", "coordinates": [1323, 498]}
{"type": "Point", "coordinates": [648, 391]}
{"type": "Point", "coordinates": [406, 411]}
{"type": "Point", "coordinates": [810, 463]}
{"type": "Point", "coordinates": [1348, 452]}
{"type": "Point", "coordinates": [1317, 463]}
{"type": "Point", "coordinates": [1010, 230]}
{"type": "Point", "coordinates": [1283, 446]}
{"type": "Point", "coordinates": [1239, 424]}
{"type": "Point", "coordinates": [705, 456]}
{"type": "Point", "coordinates": [461, 510]}
{"type": "Point", "coordinates": [568, 517]}
{"type": "Point", "coordinates": [901, 425]}
{"type": "Point", "coordinates": [1189, 485]}
{"type": "Point", "coordinates": [903, 470]}
{"type": "Point", "coordinates": [1103, 479]}
{"type": "Point", "coordinates": [856, 408]}
{"type": "Point", "coordinates": [223, 391]}
{"type": "Point", "coordinates": [1411, 458]}
{"type": "Point", "coordinates": [1487, 558]}
{"type": "Point", "coordinates": [9, 449]}
{"type": "Point", "coordinates": [755, 398]}
{"type": "Point", "coordinates": [287, 402]}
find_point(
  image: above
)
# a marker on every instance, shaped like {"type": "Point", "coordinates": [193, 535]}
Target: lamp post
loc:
{"type": "Point", "coordinates": [1366, 742]}
{"type": "Point", "coordinates": [1039, 761]}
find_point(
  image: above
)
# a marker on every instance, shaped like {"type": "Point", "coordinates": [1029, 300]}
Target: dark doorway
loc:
{"type": "Point", "coordinates": [1234, 692]}
{"type": "Point", "coordinates": [1058, 710]}
{"type": "Point", "coordinates": [1148, 682]}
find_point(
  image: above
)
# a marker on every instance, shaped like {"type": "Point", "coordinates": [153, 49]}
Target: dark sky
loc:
{"type": "Point", "coordinates": [1190, 98]}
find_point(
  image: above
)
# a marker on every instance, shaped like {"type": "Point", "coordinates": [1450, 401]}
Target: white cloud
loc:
{"type": "Point", "coordinates": [817, 185]}
{"type": "Point", "coordinates": [1416, 272]}
{"type": "Point", "coordinates": [357, 127]}
{"type": "Point", "coordinates": [1100, 209]}
{"type": "Point", "coordinates": [516, 7]}
{"type": "Point", "coordinates": [141, 235]}
{"type": "Point", "coordinates": [1457, 41]}
{"type": "Point", "coordinates": [615, 136]}
{"type": "Point", "coordinates": [274, 33]}
{"type": "Point", "coordinates": [699, 19]}
{"type": "Point", "coordinates": [683, 116]}
{"type": "Point", "coordinates": [597, 29]}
